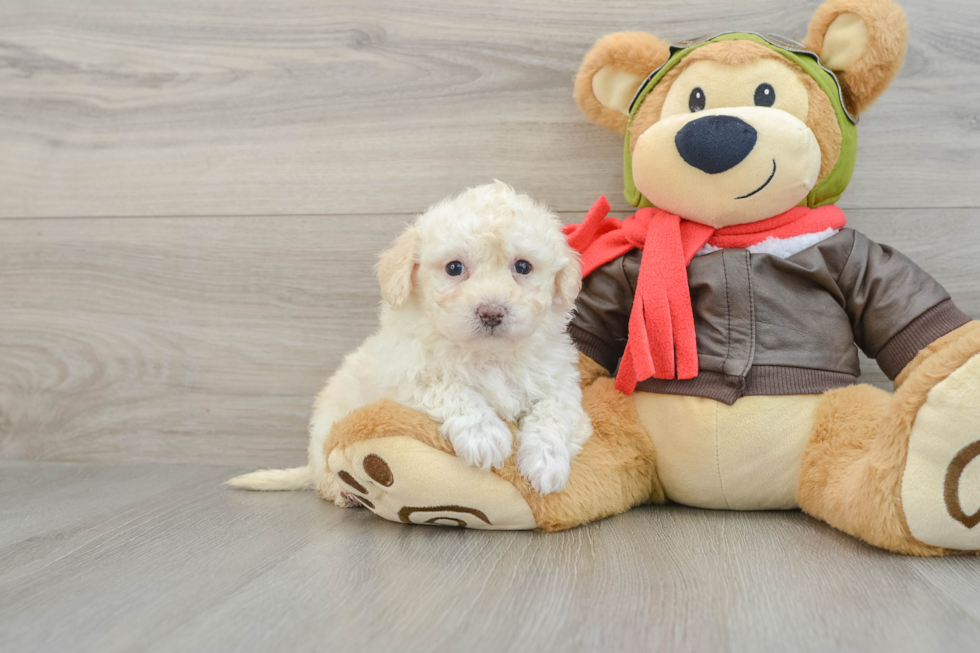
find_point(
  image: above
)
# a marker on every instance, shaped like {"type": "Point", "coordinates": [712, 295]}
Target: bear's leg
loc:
{"type": "Point", "coordinates": [392, 460]}
{"type": "Point", "coordinates": [902, 471]}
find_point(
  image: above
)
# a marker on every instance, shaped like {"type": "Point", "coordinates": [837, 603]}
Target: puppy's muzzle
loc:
{"type": "Point", "coordinates": [491, 315]}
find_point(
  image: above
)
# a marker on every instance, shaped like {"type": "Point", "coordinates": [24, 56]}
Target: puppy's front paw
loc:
{"type": "Point", "coordinates": [544, 463]}
{"type": "Point", "coordinates": [481, 443]}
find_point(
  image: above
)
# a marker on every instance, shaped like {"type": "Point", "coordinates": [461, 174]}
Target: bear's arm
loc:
{"type": "Point", "coordinates": [600, 324]}
{"type": "Point", "coordinates": [896, 308]}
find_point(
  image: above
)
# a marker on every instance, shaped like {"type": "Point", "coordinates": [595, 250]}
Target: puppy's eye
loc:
{"type": "Point", "coordinates": [455, 268]}
{"type": "Point", "coordinates": [522, 267]}
{"type": "Point", "coordinates": [697, 100]}
{"type": "Point", "coordinates": [765, 95]}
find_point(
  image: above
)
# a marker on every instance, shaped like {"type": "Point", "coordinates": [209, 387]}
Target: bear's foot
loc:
{"type": "Point", "coordinates": [902, 471]}
{"type": "Point", "coordinates": [941, 482]}
{"type": "Point", "coordinates": [404, 480]}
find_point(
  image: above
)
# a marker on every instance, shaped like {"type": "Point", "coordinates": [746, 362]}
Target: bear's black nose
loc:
{"type": "Point", "coordinates": [715, 143]}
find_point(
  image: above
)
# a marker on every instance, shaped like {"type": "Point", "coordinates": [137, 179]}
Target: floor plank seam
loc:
{"type": "Point", "coordinates": [383, 214]}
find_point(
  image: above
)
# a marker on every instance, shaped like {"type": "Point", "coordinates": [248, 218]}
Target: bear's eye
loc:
{"type": "Point", "coordinates": [765, 95]}
{"type": "Point", "coordinates": [522, 267]}
{"type": "Point", "coordinates": [697, 100]}
{"type": "Point", "coordinates": [455, 268]}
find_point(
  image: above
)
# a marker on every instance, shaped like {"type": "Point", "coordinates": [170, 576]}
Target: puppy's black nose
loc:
{"type": "Point", "coordinates": [715, 143]}
{"type": "Point", "coordinates": [491, 315]}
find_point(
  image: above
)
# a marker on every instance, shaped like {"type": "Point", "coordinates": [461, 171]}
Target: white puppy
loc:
{"type": "Point", "coordinates": [477, 297]}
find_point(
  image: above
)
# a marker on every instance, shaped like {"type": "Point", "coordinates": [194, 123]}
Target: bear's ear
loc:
{"type": "Point", "coordinates": [863, 41]}
{"type": "Point", "coordinates": [612, 72]}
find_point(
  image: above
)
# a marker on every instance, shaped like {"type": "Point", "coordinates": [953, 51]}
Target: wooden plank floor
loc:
{"type": "Point", "coordinates": [192, 196]}
{"type": "Point", "coordinates": [162, 558]}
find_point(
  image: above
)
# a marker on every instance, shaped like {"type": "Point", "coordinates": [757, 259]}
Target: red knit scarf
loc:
{"type": "Point", "coordinates": [661, 325]}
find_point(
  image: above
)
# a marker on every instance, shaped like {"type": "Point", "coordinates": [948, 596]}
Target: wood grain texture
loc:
{"type": "Point", "coordinates": [245, 107]}
{"type": "Point", "coordinates": [205, 339]}
{"type": "Point", "coordinates": [151, 337]}
{"type": "Point", "coordinates": [161, 558]}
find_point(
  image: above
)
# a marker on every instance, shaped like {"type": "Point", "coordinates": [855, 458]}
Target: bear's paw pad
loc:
{"type": "Point", "coordinates": [403, 480]}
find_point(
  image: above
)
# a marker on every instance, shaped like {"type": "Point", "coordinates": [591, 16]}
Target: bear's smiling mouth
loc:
{"type": "Point", "coordinates": [763, 185]}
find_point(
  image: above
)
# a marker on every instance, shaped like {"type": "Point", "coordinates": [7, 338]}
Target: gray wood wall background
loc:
{"type": "Point", "coordinates": [193, 192]}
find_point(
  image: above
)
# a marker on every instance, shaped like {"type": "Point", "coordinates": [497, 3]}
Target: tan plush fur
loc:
{"type": "Point", "coordinates": [385, 419]}
{"type": "Point", "coordinates": [615, 470]}
{"type": "Point", "coordinates": [634, 52]}
{"type": "Point", "coordinates": [851, 473]}
{"type": "Point", "coordinates": [888, 34]}
{"type": "Point", "coordinates": [969, 332]}
{"type": "Point", "coordinates": [821, 118]}
{"type": "Point", "coordinates": [589, 370]}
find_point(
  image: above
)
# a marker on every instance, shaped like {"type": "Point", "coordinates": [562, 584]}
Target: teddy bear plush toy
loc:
{"type": "Point", "coordinates": [719, 325]}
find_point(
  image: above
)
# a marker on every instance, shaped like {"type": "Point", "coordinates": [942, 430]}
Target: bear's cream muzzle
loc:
{"type": "Point", "coordinates": [727, 166]}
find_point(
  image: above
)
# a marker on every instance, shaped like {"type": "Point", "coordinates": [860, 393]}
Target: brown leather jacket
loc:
{"type": "Point", "coordinates": [773, 326]}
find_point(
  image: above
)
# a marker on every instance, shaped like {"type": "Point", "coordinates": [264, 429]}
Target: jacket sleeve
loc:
{"type": "Point", "coordinates": [600, 324]}
{"type": "Point", "coordinates": [896, 309]}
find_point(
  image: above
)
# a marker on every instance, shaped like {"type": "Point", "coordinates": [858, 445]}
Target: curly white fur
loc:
{"type": "Point", "coordinates": [434, 353]}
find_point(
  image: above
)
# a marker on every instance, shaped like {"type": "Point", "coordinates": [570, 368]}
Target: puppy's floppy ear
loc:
{"type": "Point", "coordinates": [568, 282]}
{"type": "Point", "coordinates": [397, 268]}
{"type": "Point", "coordinates": [864, 42]}
{"type": "Point", "coordinates": [612, 72]}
